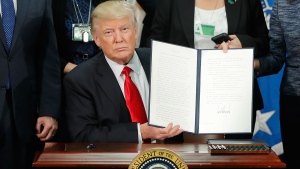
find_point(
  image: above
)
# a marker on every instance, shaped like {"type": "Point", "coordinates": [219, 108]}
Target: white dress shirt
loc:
{"type": "Point", "coordinates": [138, 77]}
{"type": "Point", "coordinates": [15, 4]}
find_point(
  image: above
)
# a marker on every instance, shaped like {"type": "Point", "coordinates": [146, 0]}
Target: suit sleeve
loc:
{"type": "Point", "coordinates": [273, 62]}
{"type": "Point", "coordinates": [90, 119]}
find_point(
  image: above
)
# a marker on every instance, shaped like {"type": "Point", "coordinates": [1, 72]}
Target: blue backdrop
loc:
{"type": "Point", "coordinates": [267, 121]}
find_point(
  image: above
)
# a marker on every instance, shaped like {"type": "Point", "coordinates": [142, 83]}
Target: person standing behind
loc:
{"type": "Point", "coordinates": [284, 48]}
{"type": "Point", "coordinates": [100, 105]}
{"type": "Point", "coordinates": [149, 7]}
{"type": "Point", "coordinates": [29, 79]}
{"type": "Point", "coordinates": [192, 23]}
{"type": "Point", "coordinates": [70, 15]}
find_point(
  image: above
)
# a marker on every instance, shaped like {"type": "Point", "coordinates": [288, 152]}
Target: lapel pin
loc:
{"type": "Point", "coordinates": [231, 1]}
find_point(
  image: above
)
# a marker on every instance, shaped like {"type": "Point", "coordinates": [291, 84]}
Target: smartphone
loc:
{"type": "Point", "coordinates": [223, 37]}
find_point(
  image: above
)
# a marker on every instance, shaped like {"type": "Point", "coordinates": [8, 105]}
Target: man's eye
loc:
{"type": "Point", "coordinates": [108, 33]}
{"type": "Point", "coordinates": [125, 29]}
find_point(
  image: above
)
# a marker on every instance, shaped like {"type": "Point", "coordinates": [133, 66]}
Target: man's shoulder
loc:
{"type": "Point", "coordinates": [143, 51]}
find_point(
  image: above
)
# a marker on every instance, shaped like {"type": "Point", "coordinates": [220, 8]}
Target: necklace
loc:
{"type": "Point", "coordinates": [81, 31]}
{"type": "Point", "coordinates": [213, 12]}
{"type": "Point", "coordinates": [77, 11]}
{"type": "Point", "coordinates": [205, 27]}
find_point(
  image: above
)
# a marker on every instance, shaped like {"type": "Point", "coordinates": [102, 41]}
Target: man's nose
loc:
{"type": "Point", "coordinates": [118, 36]}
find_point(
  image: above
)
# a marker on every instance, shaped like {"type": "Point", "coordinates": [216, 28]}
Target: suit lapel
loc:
{"type": "Point", "coordinates": [108, 82]}
{"type": "Point", "coordinates": [22, 9]}
{"type": "Point", "coordinates": [186, 18]}
{"type": "Point", "coordinates": [2, 35]}
{"type": "Point", "coordinates": [233, 12]}
{"type": "Point", "coordinates": [145, 60]}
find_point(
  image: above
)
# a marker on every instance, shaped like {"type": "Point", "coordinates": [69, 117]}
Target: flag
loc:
{"type": "Point", "coordinates": [267, 126]}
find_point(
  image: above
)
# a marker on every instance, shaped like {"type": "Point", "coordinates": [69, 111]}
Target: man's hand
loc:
{"type": "Point", "coordinates": [46, 128]}
{"type": "Point", "coordinates": [159, 133]}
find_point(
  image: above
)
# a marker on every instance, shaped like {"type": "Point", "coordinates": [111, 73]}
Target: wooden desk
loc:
{"type": "Point", "coordinates": [112, 155]}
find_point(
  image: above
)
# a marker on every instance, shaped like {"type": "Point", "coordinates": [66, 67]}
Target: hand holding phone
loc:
{"type": "Point", "coordinates": [223, 37]}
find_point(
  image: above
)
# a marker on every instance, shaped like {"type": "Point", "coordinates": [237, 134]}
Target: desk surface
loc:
{"type": "Point", "coordinates": [120, 155]}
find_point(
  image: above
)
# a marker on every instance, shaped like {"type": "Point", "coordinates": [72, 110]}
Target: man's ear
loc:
{"type": "Point", "coordinates": [136, 33]}
{"type": "Point", "coordinates": [96, 40]}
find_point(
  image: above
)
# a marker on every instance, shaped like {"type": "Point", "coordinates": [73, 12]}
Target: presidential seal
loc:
{"type": "Point", "coordinates": [157, 158]}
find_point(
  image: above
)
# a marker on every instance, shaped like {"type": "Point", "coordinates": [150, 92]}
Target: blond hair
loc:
{"type": "Point", "coordinates": [111, 10]}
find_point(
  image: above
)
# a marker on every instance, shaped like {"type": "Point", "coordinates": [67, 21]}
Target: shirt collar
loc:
{"type": "Point", "coordinates": [134, 64]}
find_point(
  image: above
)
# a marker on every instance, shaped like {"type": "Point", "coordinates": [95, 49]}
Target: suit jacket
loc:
{"type": "Point", "coordinates": [96, 108]}
{"type": "Point", "coordinates": [174, 23]}
{"type": "Point", "coordinates": [34, 67]}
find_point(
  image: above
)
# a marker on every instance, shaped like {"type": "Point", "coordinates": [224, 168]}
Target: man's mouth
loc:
{"type": "Point", "coordinates": [120, 48]}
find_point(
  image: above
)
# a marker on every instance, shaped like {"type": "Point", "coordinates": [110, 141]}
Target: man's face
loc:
{"type": "Point", "coordinates": [117, 39]}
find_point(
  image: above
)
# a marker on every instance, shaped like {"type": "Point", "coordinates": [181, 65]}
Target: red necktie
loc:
{"type": "Point", "coordinates": [133, 99]}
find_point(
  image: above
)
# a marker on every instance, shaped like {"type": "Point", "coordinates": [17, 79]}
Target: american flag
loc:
{"type": "Point", "coordinates": [267, 125]}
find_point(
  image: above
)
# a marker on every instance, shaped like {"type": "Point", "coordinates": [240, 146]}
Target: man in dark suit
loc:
{"type": "Point", "coordinates": [29, 79]}
{"type": "Point", "coordinates": [96, 108]}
